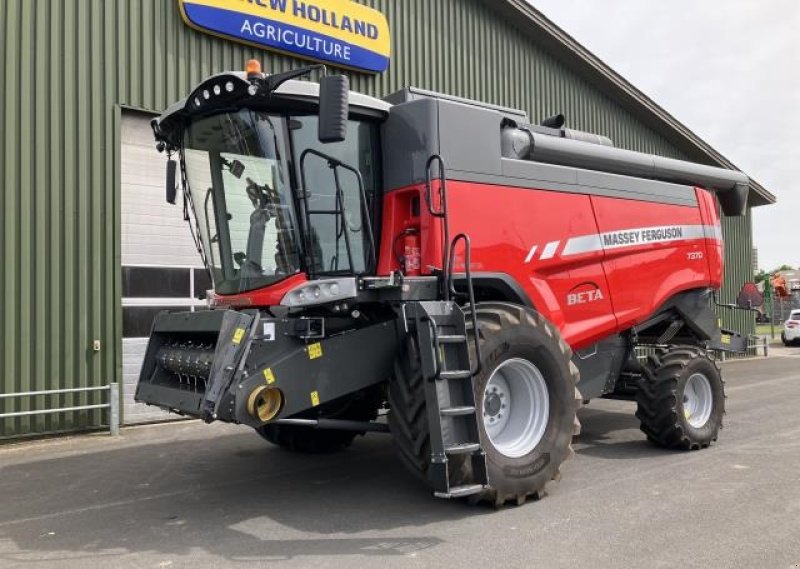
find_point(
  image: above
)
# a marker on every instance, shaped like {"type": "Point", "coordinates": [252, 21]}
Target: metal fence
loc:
{"type": "Point", "coordinates": [782, 307]}
{"type": "Point", "coordinates": [112, 404]}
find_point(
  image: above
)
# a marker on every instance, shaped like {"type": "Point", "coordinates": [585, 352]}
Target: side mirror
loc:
{"type": "Point", "coordinates": [334, 105]}
{"type": "Point", "coordinates": [172, 189]}
{"type": "Point", "coordinates": [237, 169]}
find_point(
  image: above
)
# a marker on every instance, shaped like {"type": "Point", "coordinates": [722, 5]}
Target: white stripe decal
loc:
{"type": "Point", "coordinates": [549, 250]}
{"type": "Point", "coordinates": [531, 253]}
{"type": "Point", "coordinates": [639, 236]}
{"type": "Point", "coordinates": [583, 244]}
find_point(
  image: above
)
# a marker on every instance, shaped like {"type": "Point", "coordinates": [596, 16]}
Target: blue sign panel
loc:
{"type": "Point", "coordinates": [340, 32]}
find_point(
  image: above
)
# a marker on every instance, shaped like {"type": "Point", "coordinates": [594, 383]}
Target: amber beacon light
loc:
{"type": "Point", "coordinates": [253, 68]}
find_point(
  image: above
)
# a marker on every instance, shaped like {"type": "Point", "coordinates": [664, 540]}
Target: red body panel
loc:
{"type": "Point", "coordinates": [592, 265]}
{"type": "Point", "coordinates": [715, 247]}
{"type": "Point", "coordinates": [267, 296]}
{"type": "Point", "coordinates": [643, 276]}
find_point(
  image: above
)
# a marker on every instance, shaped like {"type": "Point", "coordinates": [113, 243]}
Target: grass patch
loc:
{"type": "Point", "coordinates": [764, 330]}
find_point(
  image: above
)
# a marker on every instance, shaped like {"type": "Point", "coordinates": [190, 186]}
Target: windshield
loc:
{"type": "Point", "coordinates": [241, 199]}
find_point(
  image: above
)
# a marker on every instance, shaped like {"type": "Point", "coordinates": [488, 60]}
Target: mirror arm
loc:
{"type": "Point", "coordinates": [272, 82]}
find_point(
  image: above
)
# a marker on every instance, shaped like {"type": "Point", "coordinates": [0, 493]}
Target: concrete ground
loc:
{"type": "Point", "coordinates": [192, 495]}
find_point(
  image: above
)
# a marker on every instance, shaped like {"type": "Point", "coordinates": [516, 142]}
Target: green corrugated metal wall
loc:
{"type": "Point", "coordinates": [69, 66]}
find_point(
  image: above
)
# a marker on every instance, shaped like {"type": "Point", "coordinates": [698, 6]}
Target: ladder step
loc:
{"type": "Point", "coordinates": [460, 491]}
{"type": "Point", "coordinates": [462, 448]}
{"type": "Point", "coordinates": [456, 411]}
{"type": "Point", "coordinates": [452, 339]}
{"type": "Point", "coordinates": [455, 374]}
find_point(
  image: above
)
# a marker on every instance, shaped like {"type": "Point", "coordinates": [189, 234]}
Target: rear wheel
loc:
{"type": "Point", "coordinates": [359, 407]}
{"type": "Point", "coordinates": [681, 399]}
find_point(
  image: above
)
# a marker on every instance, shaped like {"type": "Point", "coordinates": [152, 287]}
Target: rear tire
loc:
{"type": "Point", "coordinates": [298, 438]}
{"type": "Point", "coordinates": [681, 399]}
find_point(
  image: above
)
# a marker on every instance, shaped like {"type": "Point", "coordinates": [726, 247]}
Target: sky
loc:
{"type": "Point", "coordinates": [727, 69]}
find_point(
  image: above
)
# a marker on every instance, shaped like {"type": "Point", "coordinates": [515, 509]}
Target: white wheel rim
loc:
{"type": "Point", "coordinates": [515, 407]}
{"type": "Point", "coordinates": [697, 400]}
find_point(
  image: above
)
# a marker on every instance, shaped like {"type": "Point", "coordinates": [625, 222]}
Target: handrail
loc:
{"type": "Point", "coordinates": [440, 213]}
{"type": "Point", "coordinates": [112, 405]}
{"type": "Point", "coordinates": [470, 290]}
{"type": "Point", "coordinates": [334, 164]}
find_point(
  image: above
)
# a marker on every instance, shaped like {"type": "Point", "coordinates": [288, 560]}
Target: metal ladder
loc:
{"type": "Point", "coordinates": [442, 332]}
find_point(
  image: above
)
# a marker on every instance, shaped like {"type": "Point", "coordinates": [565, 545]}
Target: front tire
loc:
{"type": "Point", "coordinates": [681, 399]}
{"type": "Point", "coordinates": [523, 354]}
{"type": "Point", "coordinates": [528, 368]}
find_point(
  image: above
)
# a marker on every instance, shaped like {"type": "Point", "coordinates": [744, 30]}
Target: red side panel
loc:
{"type": "Point", "coordinates": [715, 246]}
{"type": "Point", "coordinates": [522, 233]}
{"type": "Point", "coordinates": [592, 265]}
{"type": "Point", "coordinates": [652, 250]}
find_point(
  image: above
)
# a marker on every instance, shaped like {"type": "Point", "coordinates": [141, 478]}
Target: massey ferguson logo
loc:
{"type": "Point", "coordinates": [641, 236]}
{"type": "Point", "coordinates": [584, 294]}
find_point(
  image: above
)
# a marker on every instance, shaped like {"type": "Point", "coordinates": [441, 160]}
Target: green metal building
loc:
{"type": "Point", "coordinates": [81, 78]}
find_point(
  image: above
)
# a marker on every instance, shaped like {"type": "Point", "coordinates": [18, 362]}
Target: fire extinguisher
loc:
{"type": "Point", "coordinates": [412, 252]}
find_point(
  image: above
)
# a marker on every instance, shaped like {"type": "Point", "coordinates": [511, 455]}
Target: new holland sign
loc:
{"type": "Point", "coordinates": [340, 32]}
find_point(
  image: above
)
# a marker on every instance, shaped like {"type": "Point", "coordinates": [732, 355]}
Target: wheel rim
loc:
{"type": "Point", "coordinates": [516, 407]}
{"type": "Point", "coordinates": [697, 400]}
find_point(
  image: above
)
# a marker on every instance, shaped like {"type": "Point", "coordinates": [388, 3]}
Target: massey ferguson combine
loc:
{"type": "Point", "coordinates": [441, 262]}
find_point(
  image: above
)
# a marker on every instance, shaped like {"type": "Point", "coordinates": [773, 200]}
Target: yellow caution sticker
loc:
{"type": "Point", "coordinates": [269, 376]}
{"type": "Point", "coordinates": [314, 398]}
{"type": "Point", "coordinates": [314, 351]}
{"type": "Point", "coordinates": [725, 339]}
{"type": "Point", "coordinates": [238, 335]}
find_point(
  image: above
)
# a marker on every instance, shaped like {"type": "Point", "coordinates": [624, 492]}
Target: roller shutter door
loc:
{"type": "Point", "coordinates": [160, 264]}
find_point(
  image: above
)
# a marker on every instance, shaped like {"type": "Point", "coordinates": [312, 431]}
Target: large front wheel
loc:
{"type": "Point", "coordinates": [527, 401]}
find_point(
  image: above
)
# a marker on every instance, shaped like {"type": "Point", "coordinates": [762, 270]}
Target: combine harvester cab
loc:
{"type": "Point", "coordinates": [442, 262]}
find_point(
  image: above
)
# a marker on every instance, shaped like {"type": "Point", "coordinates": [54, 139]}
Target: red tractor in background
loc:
{"type": "Point", "coordinates": [445, 263]}
{"type": "Point", "coordinates": [779, 286]}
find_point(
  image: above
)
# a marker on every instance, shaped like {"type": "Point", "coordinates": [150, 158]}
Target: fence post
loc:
{"type": "Point", "coordinates": [113, 403]}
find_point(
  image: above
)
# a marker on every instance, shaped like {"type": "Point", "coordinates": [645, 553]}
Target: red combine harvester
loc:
{"type": "Point", "coordinates": [442, 262]}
